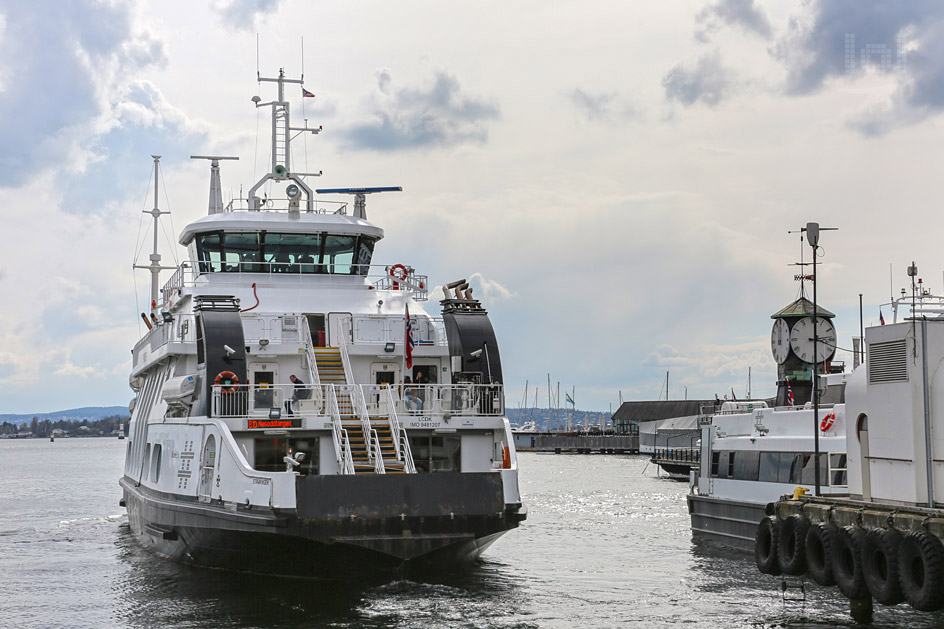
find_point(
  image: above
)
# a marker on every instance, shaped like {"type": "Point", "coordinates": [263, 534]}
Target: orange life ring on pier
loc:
{"type": "Point", "coordinates": [398, 272]}
{"type": "Point", "coordinates": [827, 422]}
{"type": "Point", "coordinates": [227, 381]}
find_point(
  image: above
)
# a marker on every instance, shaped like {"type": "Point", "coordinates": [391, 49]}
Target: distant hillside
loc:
{"type": "Point", "coordinates": [90, 413]}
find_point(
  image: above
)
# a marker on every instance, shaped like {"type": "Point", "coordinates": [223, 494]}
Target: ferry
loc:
{"type": "Point", "coordinates": [754, 452]}
{"type": "Point", "coordinates": [298, 411]}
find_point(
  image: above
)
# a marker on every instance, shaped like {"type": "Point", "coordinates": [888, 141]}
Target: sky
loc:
{"type": "Point", "coordinates": [619, 181]}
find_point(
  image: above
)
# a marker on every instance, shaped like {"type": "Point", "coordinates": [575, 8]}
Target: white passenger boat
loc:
{"type": "Point", "coordinates": [298, 412]}
{"type": "Point", "coordinates": [752, 453]}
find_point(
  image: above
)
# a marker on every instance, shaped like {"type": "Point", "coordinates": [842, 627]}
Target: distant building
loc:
{"type": "Point", "coordinates": [627, 417]}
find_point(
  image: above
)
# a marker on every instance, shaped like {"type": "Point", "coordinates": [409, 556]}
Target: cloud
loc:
{"type": "Point", "coordinates": [601, 108]}
{"type": "Point", "coordinates": [741, 13]}
{"type": "Point", "coordinates": [491, 289]}
{"type": "Point", "coordinates": [707, 82]}
{"type": "Point", "coordinates": [244, 15]}
{"type": "Point", "coordinates": [68, 59]}
{"type": "Point", "coordinates": [853, 39]}
{"type": "Point", "coordinates": [435, 114]}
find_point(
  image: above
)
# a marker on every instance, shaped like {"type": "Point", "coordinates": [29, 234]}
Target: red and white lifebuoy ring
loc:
{"type": "Point", "coordinates": [398, 272]}
{"type": "Point", "coordinates": [827, 422]}
{"type": "Point", "coordinates": [227, 381]}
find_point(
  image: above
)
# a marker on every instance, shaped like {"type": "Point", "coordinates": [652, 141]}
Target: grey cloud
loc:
{"type": "Point", "coordinates": [51, 89]}
{"type": "Point", "coordinates": [706, 82]}
{"type": "Point", "coordinates": [243, 14]}
{"type": "Point", "coordinates": [741, 13]}
{"type": "Point", "coordinates": [832, 39]}
{"type": "Point", "coordinates": [436, 114]}
{"type": "Point", "coordinates": [599, 107]}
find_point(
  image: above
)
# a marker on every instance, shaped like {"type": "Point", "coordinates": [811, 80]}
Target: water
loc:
{"type": "Point", "coordinates": [606, 544]}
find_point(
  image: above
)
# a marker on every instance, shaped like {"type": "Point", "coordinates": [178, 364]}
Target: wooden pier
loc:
{"type": "Point", "coordinates": [579, 444]}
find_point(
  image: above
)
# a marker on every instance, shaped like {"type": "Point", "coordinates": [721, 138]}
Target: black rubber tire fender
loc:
{"type": "Point", "coordinates": [921, 571]}
{"type": "Point", "coordinates": [819, 557]}
{"type": "Point", "coordinates": [847, 561]}
{"type": "Point", "coordinates": [765, 545]}
{"type": "Point", "coordinates": [791, 547]}
{"type": "Point", "coordinates": [880, 565]}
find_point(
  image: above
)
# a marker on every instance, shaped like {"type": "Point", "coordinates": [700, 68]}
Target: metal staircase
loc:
{"type": "Point", "coordinates": [375, 445]}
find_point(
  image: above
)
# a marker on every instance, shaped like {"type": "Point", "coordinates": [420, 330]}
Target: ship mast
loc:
{"type": "Point", "coordinates": [281, 140]}
{"type": "Point", "coordinates": [155, 266]}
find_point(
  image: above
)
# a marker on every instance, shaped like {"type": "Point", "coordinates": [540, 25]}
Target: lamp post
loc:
{"type": "Point", "coordinates": [812, 235]}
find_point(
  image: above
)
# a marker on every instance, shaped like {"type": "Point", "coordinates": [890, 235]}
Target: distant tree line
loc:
{"type": "Point", "coordinates": [44, 428]}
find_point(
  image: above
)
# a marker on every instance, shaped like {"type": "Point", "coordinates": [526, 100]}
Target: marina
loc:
{"type": "Point", "coordinates": [482, 315]}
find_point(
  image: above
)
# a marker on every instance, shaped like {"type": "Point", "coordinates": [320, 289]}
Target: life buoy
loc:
{"type": "Point", "coordinates": [827, 422]}
{"type": "Point", "coordinates": [819, 544]}
{"type": "Point", "coordinates": [921, 571]}
{"type": "Point", "coordinates": [765, 545]}
{"type": "Point", "coordinates": [880, 565]}
{"type": "Point", "coordinates": [398, 272]}
{"type": "Point", "coordinates": [847, 561]}
{"type": "Point", "coordinates": [227, 381]}
{"type": "Point", "coordinates": [791, 549]}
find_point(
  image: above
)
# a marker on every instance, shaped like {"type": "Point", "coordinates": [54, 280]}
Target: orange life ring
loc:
{"type": "Point", "coordinates": [228, 380]}
{"type": "Point", "coordinates": [827, 422]}
{"type": "Point", "coordinates": [398, 272]}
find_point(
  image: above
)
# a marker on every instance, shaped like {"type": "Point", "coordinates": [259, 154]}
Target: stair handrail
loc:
{"type": "Point", "coordinates": [408, 466]}
{"type": "Point", "coordinates": [347, 467]}
{"type": "Point", "coordinates": [313, 376]}
{"type": "Point", "coordinates": [342, 445]}
{"type": "Point", "coordinates": [393, 419]}
{"type": "Point", "coordinates": [359, 406]}
{"type": "Point", "coordinates": [377, 452]}
{"type": "Point", "coordinates": [346, 361]}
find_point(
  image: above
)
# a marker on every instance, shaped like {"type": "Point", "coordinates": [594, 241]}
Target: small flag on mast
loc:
{"type": "Point", "coordinates": [307, 94]}
{"type": "Point", "coordinates": [789, 394]}
{"type": "Point", "coordinates": [569, 399]}
{"type": "Point", "coordinates": [881, 318]}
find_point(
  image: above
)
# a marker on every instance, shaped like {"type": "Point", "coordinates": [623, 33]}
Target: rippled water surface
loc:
{"type": "Point", "coordinates": [606, 544]}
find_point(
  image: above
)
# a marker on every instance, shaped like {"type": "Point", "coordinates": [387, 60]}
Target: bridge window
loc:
{"type": "Point", "coordinates": [270, 252]}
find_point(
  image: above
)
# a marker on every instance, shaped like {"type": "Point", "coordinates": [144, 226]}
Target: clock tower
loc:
{"type": "Point", "coordinates": [791, 342]}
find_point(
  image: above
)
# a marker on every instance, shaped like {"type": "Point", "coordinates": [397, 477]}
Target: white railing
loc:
{"type": "Point", "coordinates": [399, 435]}
{"type": "Point", "coordinates": [451, 399]}
{"type": "Point", "coordinates": [310, 355]}
{"type": "Point", "coordinates": [342, 444]}
{"type": "Point", "coordinates": [243, 400]}
{"type": "Point", "coordinates": [378, 275]}
{"type": "Point", "coordinates": [376, 452]}
{"type": "Point", "coordinates": [408, 465]}
{"type": "Point", "coordinates": [395, 427]}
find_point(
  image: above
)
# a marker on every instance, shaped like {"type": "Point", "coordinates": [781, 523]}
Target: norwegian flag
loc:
{"type": "Point", "coordinates": [410, 343]}
{"type": "Point", "coordinates": [789, 394]}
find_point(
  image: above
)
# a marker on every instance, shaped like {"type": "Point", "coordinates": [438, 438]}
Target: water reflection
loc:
{"type": "Point", "coordinates": [150, 591]}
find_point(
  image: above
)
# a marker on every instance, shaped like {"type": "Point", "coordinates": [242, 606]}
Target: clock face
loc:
{"type": "Point", "coordinates": [801, 339]}
{"type": "Point", "coordinates": [780, 341]}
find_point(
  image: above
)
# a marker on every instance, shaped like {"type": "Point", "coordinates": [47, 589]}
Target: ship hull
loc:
{"type": "Point", "coordinates": [436, 530]}
{"type": "Point", "coordinates": [730, 522]}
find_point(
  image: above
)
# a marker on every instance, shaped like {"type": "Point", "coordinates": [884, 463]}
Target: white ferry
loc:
{"type": "Point", "coordinates": [298, 411]}
{"type": "Point", "coordinates": [752, 453]}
